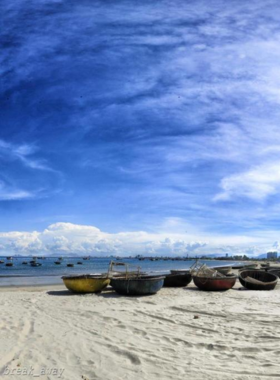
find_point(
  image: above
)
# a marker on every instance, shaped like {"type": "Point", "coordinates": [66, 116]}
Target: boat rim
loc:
{"type": "Point", "coordinates": [179, 274]}
{"type": "Point", "coordinates": [180, 271]}
{"type": "Point", "coordinates": [85, 276]}
{"type": "Point", "coordinates": [148, 278]}
{"type": "Point", "coordinates": [227, 277]}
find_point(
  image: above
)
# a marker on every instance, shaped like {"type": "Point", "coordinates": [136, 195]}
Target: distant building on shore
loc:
{"type": "Point", "coordinates": [272, 255]}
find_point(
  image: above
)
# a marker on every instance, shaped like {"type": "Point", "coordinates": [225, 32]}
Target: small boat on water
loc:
{"type": "Point", "coordinates": [138, 285]}
{"type": "Point", "coordinates": [9, 264]}
{"type": "Point", "coordinates": [177, 279]}
{"type": "Point", "coordinates": [1, 262]}
{"type": "Point", "coordinates": [70, 265]}
{"type": "Point", "coordinates": [24, 262]}
{"type": "Point", "coordinates": [86, 283]}
{"type": "Point", "coordinates": [9, 258]}
{"type": "Point", "coordinates": [223, 282]}
{"type": "Point", "coordinates": [57, 262]}
{"type": "Point", "coordinates": [79, 263]}
{"type": "Point", "coordinates": [35, 264]}
{"type": "Point", "coordinates": [258, 279]}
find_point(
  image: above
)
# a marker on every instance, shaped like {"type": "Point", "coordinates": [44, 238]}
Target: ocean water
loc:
{"type": "Point", "coordinates": [50, 273]}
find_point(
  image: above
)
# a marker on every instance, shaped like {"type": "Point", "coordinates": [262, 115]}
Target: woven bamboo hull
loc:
{"type": "Point", "coordinates": [214, 284]}
{"type": "Point", "coordinates": [177, 280]}
{"type": "Point", "coordinates": [85, 284]}
{"type": "Point", "coordinates": [269, 279]}
{"type": "Point", "coordinates": [137, 286]}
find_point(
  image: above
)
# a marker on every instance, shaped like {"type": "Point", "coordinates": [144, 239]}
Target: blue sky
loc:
{"type": "Point", "coordinates": [156, 124]}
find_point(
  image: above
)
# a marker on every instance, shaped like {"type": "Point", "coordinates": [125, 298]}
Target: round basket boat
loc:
{"type": "Point", "coordinates": [258, 279]}
{"type": "Point", "coordinates": [86, 283]}
{"type": "Point", "coordinates": [215, 283]}
{"type": "Point", "coordinates": [177, 279]}
{"type": "Point", "coordinates": [139, 286]}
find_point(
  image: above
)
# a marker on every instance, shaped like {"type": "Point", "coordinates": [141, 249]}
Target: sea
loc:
{"type": "Point", "coordinates": [50, 273]}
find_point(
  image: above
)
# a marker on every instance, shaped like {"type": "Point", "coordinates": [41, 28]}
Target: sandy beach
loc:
{"type": "Point", "coordinates": [178, 333]}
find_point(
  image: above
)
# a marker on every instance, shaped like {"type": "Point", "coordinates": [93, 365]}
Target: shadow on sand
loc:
{"type": "Point", "coordinates": [195, 289]}
{"type": "Point", "coordinates": [60, 293]}
{"type": "Point", "coordinates": [106, 293]}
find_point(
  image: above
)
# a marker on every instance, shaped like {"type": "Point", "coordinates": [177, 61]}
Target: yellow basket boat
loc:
{"type": "Point", "coordinates": [86, 283]}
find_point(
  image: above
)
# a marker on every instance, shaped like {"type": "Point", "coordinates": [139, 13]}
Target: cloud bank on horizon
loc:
{"type": "Point", "coordinates": [123, 115]}
{"type": "Point", "coordinates": [72, 239]}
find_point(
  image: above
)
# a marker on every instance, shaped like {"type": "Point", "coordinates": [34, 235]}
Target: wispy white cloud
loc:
{"type": "Point", "coordinates": [10, 193]}
{"type": "Point", "coordinates": [257, 183]}
{"type": "Point", "coordinates": [23, 153]}
{"type": "Point", "coordinates": [15, 195]}
{"type": "Point", "coordinates": [24, 174]}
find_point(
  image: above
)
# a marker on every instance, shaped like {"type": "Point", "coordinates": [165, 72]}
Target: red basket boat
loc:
{"type": "Point", "coordinates": [215, 283]}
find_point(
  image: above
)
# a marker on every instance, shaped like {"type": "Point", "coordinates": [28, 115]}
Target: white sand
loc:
{"type": "Point", "coordinates": [106, 336]}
